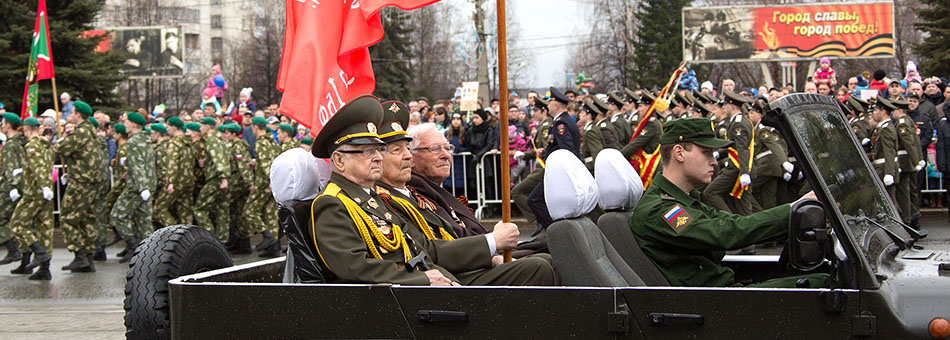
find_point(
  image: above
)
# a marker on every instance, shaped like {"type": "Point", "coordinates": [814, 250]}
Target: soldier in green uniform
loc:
{"type": "Point", "coordinates": [884, 145]}
{"type": "Point", "coordinates": [32, 220]}
{"type": "Point", "coordinates": [200, 152]}
{"type": "Point", "coordinates": [593, 140]}
{"type": "Point", "coordinates": [519, 193]}
{"type": "Point", "coordinates": [285, 135]}
{"type": "Point", "coordinates": [84, 172]}
{"type": "Point", "coordinates": [471, 259]}
{"type": "Point", "coordinates": [615, 104]}
{"type": "Point", "coordinates": [175, 196]}
{"type": "Point", "coordinates": [238, 191]}
{"type": "Point", "coordinates": [213, 196]}
{"type": "Point", "coordinates": [119, 175]}
{"type": "Point", "coordinates": [770, 160]}
{"type": "Point", "coordinates": [727, 191]}
{"type": "Point", "coordinates": [102, 195]}
{"type": "Point", "coordinates": [260, 210]}
{"type": "Point", "coordinates": [159, 135]}
{"type": "Point", "coordinates": [10, 179]}
{"type": "Point", "coordinates": [687, 239]}
{"type": "Point", "coordinates": [910, 160]}
{"type": "Point", "coordinates": [859, 121]}
{"type": "Point", "coordinates": [649, 138]}
{"type": "Point", "coordinates": [132, 214]}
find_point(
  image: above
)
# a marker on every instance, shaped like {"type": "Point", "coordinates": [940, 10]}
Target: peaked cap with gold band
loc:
{"type": "Point", "coordinates": [601, 106]}
{"type": "Point", "coordinates": [589, 106]}
{"type": "Point", "coordinates": [395, 121]}
{"type": "Point", "coordinates": [354, 123]}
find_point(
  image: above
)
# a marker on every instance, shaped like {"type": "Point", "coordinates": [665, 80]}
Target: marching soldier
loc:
{"type": "Point", "coordinates": [213, 196]}
{"type": "Point", "coordinates": [859, 121]}
{"type": "Point", "coordinates": [81, 150]}
{"type": "Point", "coordinates": [910, 160]}
{"type": "Point", "coordinates": [102, 195]}
{"type": "Point", "coordinates": [238, 188]}
{"type": "Point", "coordinates": [119, 176]}
{"type": "Point", "coordinates": [173, 201]}
{"type": "Point", "coordinates": [260, 210]}
{"type": "Point", "coordinates": [200, 152]}
{"type": "Point", "coordinates": [884, 145]}
{"type": "Point", "coordinates": [132, 214]}
{"type": "Point", "coordinates": [12, 156]}
{"type": "Point", "coordinates": [735, 178]}
{"type": "Point", "coordinates": [32, 220]}
{"type": "Point", "coordinates": [285, 134]}
{"type": "Point", "coordinates": [160, 141]}
{"type": "Point", "coordinates": [520, 192]}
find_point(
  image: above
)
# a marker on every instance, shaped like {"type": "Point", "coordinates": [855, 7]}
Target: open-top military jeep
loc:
{"type": "Point", "coordinates": [887, 285]}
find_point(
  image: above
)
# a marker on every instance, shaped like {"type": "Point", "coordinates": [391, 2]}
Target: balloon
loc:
{"type": "Point", "coordinates": [219, 80]}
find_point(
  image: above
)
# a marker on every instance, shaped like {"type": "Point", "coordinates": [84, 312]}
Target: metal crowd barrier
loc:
{"type": "Point", "coordinates": [488, 163]}
{"type": "Point", "coordinates": [939, 188]}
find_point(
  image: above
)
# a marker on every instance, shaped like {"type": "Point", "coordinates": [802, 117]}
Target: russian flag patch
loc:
{"type": "Point", "coordinates": [677, 218]}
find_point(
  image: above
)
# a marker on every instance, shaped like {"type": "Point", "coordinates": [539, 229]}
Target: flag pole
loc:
{"type": "Point", "coordinates": [503, 115]}
{"type": "Point", "coordinates": [55, 98]}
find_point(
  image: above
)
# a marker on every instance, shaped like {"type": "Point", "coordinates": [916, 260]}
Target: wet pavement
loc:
{"type": "Point", "coordinates": [89, 305]}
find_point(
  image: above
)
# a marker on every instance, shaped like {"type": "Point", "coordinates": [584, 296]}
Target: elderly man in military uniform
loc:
{"type": "Point", "coordinates": [132, 214]}
{"type": "Point", "coordinates": [564, 135]}
{"type": "Point", "coordinates": [285, 135]}
{"type": "Point", "coordinates": [884, 145]}
{"type": "Point", "coordinates": [260, 210]}
{"type": "Point", "coordinates": [727, 191]}
{"type": "Point", "coordinates": [687, 239]}
{"type": "Point", "coordinates": [213, 196]}
{"type": "Point", "coordinates": [471, 259]}
{"type": "Point", "coordinates": [359, 239]}
{"type": "Point", "coordinates": [12, 156]}
{"type": "Point", "coordinates": [520, 192]}
{"type": "Point", "coordinates": [32, 220]}
{"type": "Point", "coordinates": [910, 160]}
{"type": "Point", "coordinates": [83, 156]}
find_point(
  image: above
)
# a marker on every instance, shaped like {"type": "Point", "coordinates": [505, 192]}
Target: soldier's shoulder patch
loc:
{"type": "Point", "coordinates": [560, 129]}
{"type": "Point", "coordinates": [603, 124]}
{"type": "Point", "coordinates": [677, 218]}
{"type": "Point", "coordinates": [666, 197]}
{"type": "Point", "coordinates": [903, 130]}
{"type": "Point", "coordinates": [855, 128]}
{"type": "Point", "coordinates": [31, 150]}
{"type": "Point", "coordinates": [738, 131]}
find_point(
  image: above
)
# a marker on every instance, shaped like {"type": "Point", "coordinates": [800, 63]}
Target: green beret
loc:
{"type": "Point", "coordinates": [95, 123]}
{"type": "Point", "coordinates": [120, 128]}
{"type": "Point", "coordinates": [692, 130]}
{"type": "Point", "coordinates": [286, 127]}
{"type": "Point", "coordinates": [82, 108]}
{"type": "Point", "coordinates": [176, 122]}
{"type": "Point", "coordinates": [233, 127]}
{"type": "Point", "coordinates": [147, 130]}
{"type": "Point", "coordinates": [260, 121]}
{"type": "Point", "coordinates": [137, 118]}
{"type": "Point", "coordinates": [159, 128]}
{"type": "Point", "coordinates": [306, 141]}
{"type": "Point", "coordinates": [193, 126]}
{"type": "Point", "coordinates": [208, 121]}
{"type": "Point", "coordinates": [221, 128]}
{"type": "Point", "coordinates": [31, 122]}
{"type": "Point", "coordinates": [12, 118]}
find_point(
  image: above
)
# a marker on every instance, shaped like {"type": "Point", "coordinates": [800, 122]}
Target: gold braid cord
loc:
{"type": "Point", "coordinates": [363, 221]}
{"type": "Point", "coordinates": [421, 221]}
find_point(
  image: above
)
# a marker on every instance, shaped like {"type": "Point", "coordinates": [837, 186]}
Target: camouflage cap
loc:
{"type": "Point", "coordinates": [692, 130]}
{"type": "Point", "coordinates": [31, 122]}
{"type": "Point", "coordinates": [176, 122]}
{"type": "Point", "coordinates": [82, 108]}
{"type": "Point", "coordinates": [12, 118]}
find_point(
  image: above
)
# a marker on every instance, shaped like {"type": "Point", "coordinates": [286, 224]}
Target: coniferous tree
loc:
{"type": "Point", "coordinates": [83, 73]}
{"type": "Point", "coordinates": [391, 57]}
{"type": "Point", "coordinates": [658, 46]}
{"type": "Point", "coordinates": [934, 51]}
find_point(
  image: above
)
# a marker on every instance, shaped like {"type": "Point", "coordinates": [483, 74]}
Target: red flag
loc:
{"type": "Point", "coordinates": [325, 61]}
{"type": "Point", "coordinates": [41, 62]}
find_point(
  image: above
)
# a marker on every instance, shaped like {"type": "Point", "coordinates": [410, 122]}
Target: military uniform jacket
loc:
{"type": "Point", "coordinates": [141, 163]}
{"type": "Point", "coordinates": [608, 134]}
{"type": "Point", "coordinates": [104, 145]}
{"type": "Point", "coordinates": [267, 150]}
{"type": "Point", "coordinates": [161, 169]}
{"type": "Point", "coordinates": [344, 252]}
{"type": "Point", "coordinates": [884, 149]}
{"type": "Point", "coordinates": [119, 167]}
{"type": "Point", "coordinates": [448, 207]}
{"type": "Point", "coordinates": [908, 151]}
{"type": "Point", "coordinates": [456, 255]}
{"type": "Point", "coordinates": [240, 173]}
{"type": "Point", "coordinates": [648, 140]}
{"type": "Point", "coordinates": [292, 143]}
{"type": "Point", "coordinates": [591, 144]}
{"type": "Point", "coordinates": [200, 151]}
{"type": "Point", "coordinates": [687, 239]}
{"type": "Point", "coordinates": [81, 149]}
{"type": "Point", "coordinates": [740, 133]}
{"type": "Point", "coordinates": [39, 164]}
{"type": "Point", "coordinates": [218, 158]}
{"type": "Point", "coordinates": [769, 153]}
{"type": "Point", "coordinates": [564, 135]}
{"type": "Point", "coordinates": [180, 162]}
{"type": "Point", "coordinates": [12, 160]}
{"type": "Point", "coordinates": [862, 130]}
{"type": "Point", "coordinates": [622, 129]}
{"type": "Point", "coordinates": [540, 138]}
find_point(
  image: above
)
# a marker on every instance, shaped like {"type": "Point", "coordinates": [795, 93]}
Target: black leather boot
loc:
{"type": "Point", "coordinates": [243, 246]}
{"type": "Point", "coordinates": [23, 263]}
{"type": "Point", "coordinates": [100, 254]}
{"type": "Point", "coordinates": [129, 250]}
{"type": "Point", "coordinates": [83, 263]}
{"type": "Point", "coordinates": [40, 256]}
{"type": "Point", "coordinates": [266, 242]}
{"type": "Point", "coordinates": [76, 259]}
{"type": "Point", "coordinates": [43, 273]}
{"type": "Point", "coordinates": [13, 252]}
{"type": "Point", "coordinates": [270, 252]}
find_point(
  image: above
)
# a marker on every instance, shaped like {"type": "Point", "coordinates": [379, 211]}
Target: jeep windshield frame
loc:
{"type": "Point", "coordinates": [839, 171]}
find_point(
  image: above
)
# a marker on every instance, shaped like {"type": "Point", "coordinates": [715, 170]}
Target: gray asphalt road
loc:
{"type": "Point", "coordinates": [89, 306]}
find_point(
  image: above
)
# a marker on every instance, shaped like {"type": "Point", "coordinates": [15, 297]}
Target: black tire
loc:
{"type": "Point", "coordinates": [166, 254]}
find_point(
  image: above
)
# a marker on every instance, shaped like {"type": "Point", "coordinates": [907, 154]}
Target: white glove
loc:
{"type": "Point", "coordinates": [865, 141]}
{"type": "Point", "coordinates": [519, 155]}
{"type": "Point", "coordinates": [47, 194]}
{"type": "Point", "coordinates": [122, 161]}
{"type": "Point", "coordinates": [888, 180]}
{"type": "Point", "coordinates": [787, 176]}
{"type": "Point", "coordinates": [745, 179]}
{"type": "Point", "coordinates": [145, 195]}
{"type": "Point", "coordinates": [63, 179]}
{"type": "Point", "coordinates": [17, 172]}
{"type": "Point", "coordinates": [921, 164]}
{"type": "Point", "coordinates": [788, 167]}
{"type": "Point", "coordinates": [716, 154]}
{"type": "Point", "coordinates": [14, 195]}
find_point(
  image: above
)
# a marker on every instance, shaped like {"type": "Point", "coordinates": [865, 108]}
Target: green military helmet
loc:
{"type": "Point", "coordinates": [120, 128]}
{"type": "Point", "coordinates": [692, 130]}
{"type": "Point", "coordinates": [394, 123]}
{"type": "Point", "coordinates": [193, 127]}
{"type": "Point", "coordinates": [12, 119]}
{"type": "Point", "coordinates": [95, 123]}
{"type": "Point", "coordinates": [176, 122]}
{"type": "Point", "coordinates": [137, 118]}
{"type": "Point", "coordinates": [160, 128]}
{"type": "Point", "coordinates": [208, 121]}
{"type": "Point", "coordinates": [354, 123]}
{"type": "Point", "coordinates": [83, 108]}
{"type": "Point", "coordinates": [31, 122]}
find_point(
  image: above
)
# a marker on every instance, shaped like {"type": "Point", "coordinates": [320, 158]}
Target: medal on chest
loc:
{"type": "Point", "coordinates": [372, 203]}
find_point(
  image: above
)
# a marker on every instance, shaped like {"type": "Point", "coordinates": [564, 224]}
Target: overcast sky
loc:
{"type": "Point", "coordinates": [547, 23]}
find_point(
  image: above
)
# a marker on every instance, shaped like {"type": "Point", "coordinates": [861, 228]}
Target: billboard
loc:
{"type": "Point", "coordinates": [803, 32]}
{"type": "Point", "coordinates": [155, 51]}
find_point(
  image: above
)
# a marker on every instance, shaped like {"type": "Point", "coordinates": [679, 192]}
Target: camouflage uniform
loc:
{"type": "Point", "coordinates": [261, 209]}
{"type": "Point", "coordinates": [238, 184]}
{"type": "Point", "coordinates": [200, 152]}
{"type": "Point", "coordinates": [102, 195]}
{"type": "Point", "coordinates": [292, 143]}
{"type": "Point", "coordinates": [84, 158]}
{"type": "Point", "coordinates": [211, 199]}
{"type": "Point", "coordinates": [132, 215]}
{"type": "Point", "coordinates": [179, 171]}
{"type": "Point", "coordinates": [33, 218]}
{"type": "Point", "coordinates": [119, 176]}
{"type": "Point", "coordinates": [12, 159]}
